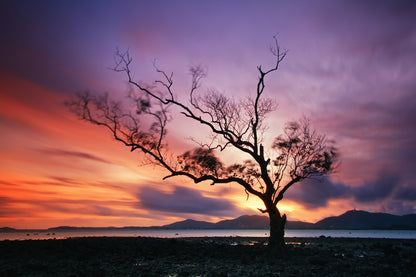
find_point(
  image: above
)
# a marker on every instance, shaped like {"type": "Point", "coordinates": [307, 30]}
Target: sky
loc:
{"type": "Point", "coordinates": [350, 68]}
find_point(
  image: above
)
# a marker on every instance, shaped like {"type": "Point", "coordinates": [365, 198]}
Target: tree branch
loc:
{"type": "Point", "coordinates": [300, 152]}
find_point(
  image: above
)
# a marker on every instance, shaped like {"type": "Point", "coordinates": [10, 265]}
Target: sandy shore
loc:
{"type": "Point", "coordinates": [231, 256]}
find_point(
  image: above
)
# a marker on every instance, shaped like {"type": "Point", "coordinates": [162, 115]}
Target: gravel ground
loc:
{"type": "Point", "coordinates": [230, 256]}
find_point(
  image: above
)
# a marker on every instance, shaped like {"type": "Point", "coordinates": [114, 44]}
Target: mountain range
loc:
{"type": "Point", "coordinates": [351, 220]}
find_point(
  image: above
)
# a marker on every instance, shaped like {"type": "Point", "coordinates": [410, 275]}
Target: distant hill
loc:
{"type": "Point", "coordinates": [7, 229]}
{"type": "Point", "coordinates": [299, 225]}
{"type": "Point", "coordinates": [71, 228]}
{"type": "Point", "coordinates": [365, 220]}
{"type": "Point", "coordinates": [190, 224]}
{"type": "Point", "coordinates": [349, 220]}
{"type": "Point", "coordinates": [242, 222]}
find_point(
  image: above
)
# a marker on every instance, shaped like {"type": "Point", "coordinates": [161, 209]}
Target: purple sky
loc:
{"type": "Point", "coordinates": [350, 67]}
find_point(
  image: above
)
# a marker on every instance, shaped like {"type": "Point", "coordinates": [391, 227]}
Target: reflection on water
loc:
{"type": "Point", "coordinates": [62, 234]}
{"type": "Point", "coordinates": [296, 243]}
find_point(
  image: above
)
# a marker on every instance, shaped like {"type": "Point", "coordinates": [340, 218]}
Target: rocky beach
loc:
{"type": "Point", "coordinates": [221, 256]}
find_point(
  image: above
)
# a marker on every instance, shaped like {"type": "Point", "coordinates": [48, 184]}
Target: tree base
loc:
{"type": "Point", "coordinates": [277, 231]}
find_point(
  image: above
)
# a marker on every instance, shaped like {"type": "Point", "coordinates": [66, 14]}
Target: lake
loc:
{"type": "Point", "coordinates": [62, 234]}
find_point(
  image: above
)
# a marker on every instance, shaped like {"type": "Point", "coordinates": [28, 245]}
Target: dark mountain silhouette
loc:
{"type": "Point", "coordinates": [242, 222]}
{"type": "Point", "coordinates": [72, 228]}
{"type": "Point", "coordinates": [7, 229]}
{"type": "Point", "coordinates": [190, 224]}
{"type": "Point", "coordinates": [349, 220]}
{"type": "Point", "coordinates": [365, 220]}
{"type": "Point", "coordinates": [299, 225]}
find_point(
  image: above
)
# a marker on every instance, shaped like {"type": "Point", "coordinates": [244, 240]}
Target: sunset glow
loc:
{"type": "Point", "coordinates": [350, 69]}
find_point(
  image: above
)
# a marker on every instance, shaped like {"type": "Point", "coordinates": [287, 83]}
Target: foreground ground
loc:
{"type": "Point", "coordinates": [233, 256]}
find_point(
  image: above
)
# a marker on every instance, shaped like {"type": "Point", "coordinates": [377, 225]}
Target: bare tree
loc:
{"type": "Point", "coordinates": [295, 155]}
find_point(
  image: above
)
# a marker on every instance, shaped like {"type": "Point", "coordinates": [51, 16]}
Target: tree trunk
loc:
{"type": "Point", "coordinates": [277, 229]}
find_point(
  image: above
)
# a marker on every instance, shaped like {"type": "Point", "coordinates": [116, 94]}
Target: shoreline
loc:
{"type": "Point", "coordinates": [181, 233]}
{"type": "Point", "coordinates": [207, 256]}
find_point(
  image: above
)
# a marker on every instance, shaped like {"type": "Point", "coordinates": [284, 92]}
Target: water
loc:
{"type": "Point", "coordinates": [62, 234]}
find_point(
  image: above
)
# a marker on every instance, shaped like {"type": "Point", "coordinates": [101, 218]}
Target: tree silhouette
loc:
{"type": "Point", "coordinates": [295, 155]}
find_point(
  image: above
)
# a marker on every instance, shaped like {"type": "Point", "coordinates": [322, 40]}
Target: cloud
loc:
{"type": "Point", "coordinates": [63, 180]}
{"type": "Point", "coordinates": [399, 208]}
{"type": "Point", "coordinates": [386, 189]}
{"type": "Point", "coordinates": [7, 212]}
{"type": "Point", "coordinates": [367, 98]}
{"type": "Point", "coordinates": [377, 189]}
{"type": "Point", "coordinates": [70, 207]}
{"type": "Point", "coordinates": [375, 129]}
{"type": "Point", "coordinates": [406, 193]}
{"type": "Point", "coordinates": [3, 202]}
{"type": "Point", "coordinates": [77, 154]}
{"type": "Point", "coordinates": [314, 193]}
{"type": "Point", "coordinates": [182, 200]}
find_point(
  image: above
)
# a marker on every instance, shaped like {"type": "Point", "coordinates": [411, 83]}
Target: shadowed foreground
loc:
{"type": "Point", "coordinates": [232, 256]}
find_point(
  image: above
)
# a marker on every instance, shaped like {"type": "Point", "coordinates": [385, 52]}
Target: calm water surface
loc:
{"type": "Point", "coordinates": [61, 234]}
